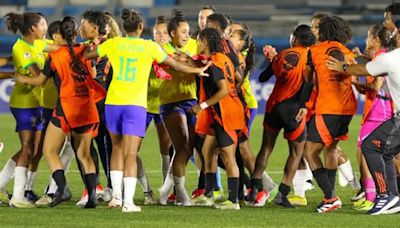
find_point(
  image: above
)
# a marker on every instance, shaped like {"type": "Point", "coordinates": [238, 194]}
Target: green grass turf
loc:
{"type": "Point", "coordinates": [68, 215]}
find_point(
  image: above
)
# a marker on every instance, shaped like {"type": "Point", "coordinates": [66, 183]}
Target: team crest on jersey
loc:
{"type": "Point", "coordinates": [337, 54]}
{"type": "Point", "coordinates": [289, 62]}
{"type": "Point", "coordinates": [27, 55]}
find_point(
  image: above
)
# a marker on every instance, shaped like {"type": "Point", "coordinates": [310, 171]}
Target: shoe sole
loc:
{"type": "Point", "coordinates": [335, 207]}
{"type": "Point", "coordinates": [385, 208]}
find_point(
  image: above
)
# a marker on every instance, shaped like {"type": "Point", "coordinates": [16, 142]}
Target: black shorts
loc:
{"type": "Point", "coordinates": [326, 128]}
{"type": "Point", "coordinates": [226, 138]}
{"type": "Point", "coordinates": [384, 139]}
{"type": "Point", "coordinates": [283, 115]}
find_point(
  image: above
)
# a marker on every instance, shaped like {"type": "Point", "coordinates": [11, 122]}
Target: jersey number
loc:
{"type": "Point", "coordinates": [130, 71]}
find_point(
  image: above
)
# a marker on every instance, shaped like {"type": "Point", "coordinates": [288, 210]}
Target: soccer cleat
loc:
{"type": "Point", "coordinates": [358, 195]}
{"type": "Point", "coordinates": [31, 196]}
{"type": "Point", "coordinates": [84, 199]}
{"type": "Point", "coordinates": [197, 192]}
{"type": "Point", "coordinates": [281, 200]}
{"type": "Point", "coordinates": [115, 203]}
{"type": "Point", "coordinates": [297, 200]}
{"type": "Point", "coordinates": [218, 195]}
{"type": "Point", "coordinates": [107, 195]}
{"type": "Point", "coordinates": [393, 210]}
{"type": "Point", "coordinates": [366, 205]}
{"type": "Point", "coordinates": [342, 180]}
{"type": "Point", "coordinates": [4, 196]}
{"type": "Point", "coordinates": [183, 200]}
{"type": "Point", "coordinates": [261, 198]}
{"type": "Point", "coordinates": [56, 200]}
{"type": "Point", "coordinates": [1, 147]}
{"type": "Point", "coordinates": [328, 205]}
{"type": "Point", "coordinates": [149, 199]}
{"type": "Point", "coordinates": [272, 194]}
{"type": "Point", "coordinates": [382, 203]}
{"type": "Point", "coordinates": [203, 201]}
{"type": "Point", "coordinates": [24, 203]}
{"type": "Point", "coordinates": [171, 198]}
{"type": "Point", "coordinates": [92, 200]}
{"type": "Point", "coordinates": [45, 200]}
{"type": "Point", "coordinates": [131, 208]}
{"type": "Point", "coordinates": [99, 192]}
{"type": "Point", "coordinates": [67, 194]}
{"type": "Point", "coordinates": [227, 205]}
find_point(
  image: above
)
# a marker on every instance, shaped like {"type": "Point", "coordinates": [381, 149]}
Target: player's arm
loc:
{"type": "Point", "coordinates": [6, 75]}
{"type": "Point", "coordinates": [90, 54]}
{"type": "Point", "coordinates": [266, 74]}
{"type": "Point", "coordinates": [376, 85]}
{"type": "Point", "coordinates": [38, 80]}
{"type": "Point", "coordinates": [5, 60]}
{"type": "Point", "coordinates": [186, 69]}
{"type": "Point", "coordinates": [221, 93]}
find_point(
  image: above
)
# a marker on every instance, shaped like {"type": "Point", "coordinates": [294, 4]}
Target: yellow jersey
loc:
{"type": "Point", "coordinates": [248, 93]}
{"type": "Point", "coordinates": [182, 86]}
{"type": "Point", "coordinates": [25, 55]}
{"type": "Point", "coordinates": [49, 89]}
{"type": "Point", "coordinates": [131, 59]}
{"type": "Point", "coordinates": [153, 94]}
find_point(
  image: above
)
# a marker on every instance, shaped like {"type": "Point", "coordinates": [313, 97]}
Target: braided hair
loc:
{"type": "Point", "coordinates": [69, 31]}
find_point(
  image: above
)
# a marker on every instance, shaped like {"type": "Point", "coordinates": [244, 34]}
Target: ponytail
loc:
{"type": "Point", "coordinates": [69, 31]}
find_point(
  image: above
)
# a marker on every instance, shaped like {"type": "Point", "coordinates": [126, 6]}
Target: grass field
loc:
{"type": "Point", "coordinates": [160, 216]}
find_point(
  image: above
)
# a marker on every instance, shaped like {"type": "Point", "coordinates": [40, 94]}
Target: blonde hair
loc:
{"type": "Point", "coordinates": [114, 28]}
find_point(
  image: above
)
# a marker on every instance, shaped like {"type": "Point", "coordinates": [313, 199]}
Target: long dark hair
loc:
{"type": "Point", "coordinates": [69, 31]}
{"type": "Point", "coordinates": [334, 28]}
{"type": "Point", "coordinates": [382, 33]}
{"type": "Point", "coordinates": [213, 38]}
{"type": "Point", "coordinates": [250, 46]}
{"type": "Point", "coordinates": [22, 22]}
{"type": "Point", "coordinates": [220, 19]}
{"type": "Point", "coordinates": [131, 20]}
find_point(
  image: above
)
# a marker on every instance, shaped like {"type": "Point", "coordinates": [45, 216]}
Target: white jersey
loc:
{"type": "Point", "coordinates": [388, 63]}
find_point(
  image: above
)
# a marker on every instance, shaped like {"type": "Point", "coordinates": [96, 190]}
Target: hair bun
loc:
{"type": "Point", "coordinates": [126, 14]}
{"type": "Point", "coordinates": [161, 19]}
{"type": "Point", "coordinates": [178, 14]}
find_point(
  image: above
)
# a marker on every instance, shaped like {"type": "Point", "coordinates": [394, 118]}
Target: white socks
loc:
{"type": "Point", "coordinates": [165, 165]}
{"type": "Point", "coordinates": [7, 173]}
{"type": "Point", "coordinates": [347, 171]}
{"type": "Point", "coordinates": [30, 180]}
{"type": "Point", "coordinates": [181, 193]}
{"type": "Point", "coordinates": [129, 189]}
{"type": "Point", "coordinates": [141, 175]}
{"type": "Point", "coordinates": [116, 181]}
{"type": "Point", "coordinates": [299, 182]}
{"type": "Point", "coordinates": [19, 182]}
{"type": "Point", "coordinates": [268, 183]}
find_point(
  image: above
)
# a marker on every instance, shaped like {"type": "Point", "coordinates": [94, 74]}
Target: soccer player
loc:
{"type": "Point", "coordinates": [125, 110]}
{"type": "Point", "coordinates": [175, 108]}
{"type": "Point", "coordinates": [286, 109]}
{"type": "Point", "coordinates": [76, 111]}
{"type": "Point", "coordinates": [67, 153]}
{"type": "Point", "coordinates": [202, 18]}
{"type": "Point", "coordinates": [161, 37]}
{"type": "Point", "coordinates": [93, 28]}
{"type": "Point", "coordinates": [28, 60]}
{"type": "Point", "coordinates": [225, 114]}
{"type": "Point", "coordinates": [381, 145]}
{"type": "Point", "coordinates": [335, 104]}
{"type": "Point", "coordinates": [377, 109]}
